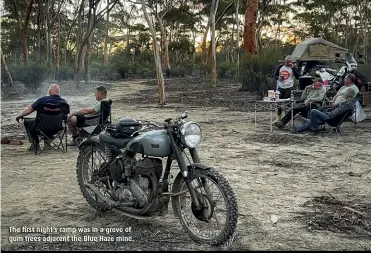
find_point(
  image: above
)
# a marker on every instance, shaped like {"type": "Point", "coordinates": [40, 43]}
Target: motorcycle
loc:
{"type": "Point", "coordinates": [333, 78]}
{"type": "Point", "coordinates": [128, 177]}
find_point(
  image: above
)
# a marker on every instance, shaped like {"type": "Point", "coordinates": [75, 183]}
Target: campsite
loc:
{"type": "Point", "coordinates": [272, 174]}
{"type": "Point", "coordinates": [221, 125]}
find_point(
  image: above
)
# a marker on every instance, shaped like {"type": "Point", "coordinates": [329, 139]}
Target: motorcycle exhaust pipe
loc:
{"type": "Point", "coordinates": [111, 203]}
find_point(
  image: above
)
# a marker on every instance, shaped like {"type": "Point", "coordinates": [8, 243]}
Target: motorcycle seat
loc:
{"type": "Point", "coordinates": [115, 142]}
{"type": "Point", "coordinates": [331, 71]}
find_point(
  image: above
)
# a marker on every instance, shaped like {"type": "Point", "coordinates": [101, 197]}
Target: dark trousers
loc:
{"type": "Point", "coordinates": [303, 109]}
{"type": "Point", "coordinates": [30, 126]}
{"type": "Point", "coordinates": [284, 94]}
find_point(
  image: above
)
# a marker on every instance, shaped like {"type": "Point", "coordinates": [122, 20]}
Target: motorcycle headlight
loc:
{"type": "Point", "coordinates": [191, 134]}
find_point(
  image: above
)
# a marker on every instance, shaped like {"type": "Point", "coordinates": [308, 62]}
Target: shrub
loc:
{"type": "Point", "coordinates": [32, 75]}
{"type": "Point", "coordinates": [226, 69]}
{"type": "Point", "coordinates": [65, 73]}
{"type": "Point", "coordinates": [178, 71]}
{"type": "Point", "coordinates": [257, 71]}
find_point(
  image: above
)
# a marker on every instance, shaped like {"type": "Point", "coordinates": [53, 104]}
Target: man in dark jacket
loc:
{"type": "Point", "coordinates": [30, 124]}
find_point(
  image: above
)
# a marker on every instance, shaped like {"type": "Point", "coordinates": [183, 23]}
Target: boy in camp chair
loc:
{"type": "Point", "coordinates": [317, 117]}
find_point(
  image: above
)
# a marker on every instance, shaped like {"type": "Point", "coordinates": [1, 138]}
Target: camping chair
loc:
{"type": "Point", "coordinates": [104, 120]}
{"type": "Point", "coordinates": [335, 122]}
{"type": "Point", "coordinates": [50, 125]}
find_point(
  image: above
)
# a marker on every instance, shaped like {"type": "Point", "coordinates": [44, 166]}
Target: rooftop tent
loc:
{"type": "Point", "coordinates": [317, 49]}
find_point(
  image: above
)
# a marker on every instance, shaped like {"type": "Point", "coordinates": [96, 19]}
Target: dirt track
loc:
{"type": "Point", "coordinates": [272, 174]}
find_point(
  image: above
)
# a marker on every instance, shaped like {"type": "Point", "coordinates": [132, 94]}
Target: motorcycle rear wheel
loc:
{"type": "Point", "coordinates": [82, 167]}
{"type": "Point", "coordinates": [231, 213]}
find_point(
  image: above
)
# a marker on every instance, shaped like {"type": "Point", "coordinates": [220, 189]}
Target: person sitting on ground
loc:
{"type": "Point", "coordinates": [284, 75]}
{"type": "Point", "coordinates": [87, 116]}
{"type": "Point", "coordinates": [317, 117]}
{"type": "Point", "coordinates": [30, 124]}
{"type": "Point", "coordinates": [312, 96]}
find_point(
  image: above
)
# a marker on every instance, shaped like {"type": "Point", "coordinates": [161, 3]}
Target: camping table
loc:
{"type": "Point", "coordinates": [269, 105]}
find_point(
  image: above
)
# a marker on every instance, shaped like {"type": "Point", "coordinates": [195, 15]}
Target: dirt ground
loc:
{"type": "Point", "coordinates": [272, 174]}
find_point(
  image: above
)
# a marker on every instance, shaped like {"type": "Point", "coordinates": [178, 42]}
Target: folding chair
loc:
{"type": "Point", "coordinates": [104, 120]}
{"type": "Point", "coordinates": [50, 125]}
{"type": "Point", "coordinates": [337, 121]}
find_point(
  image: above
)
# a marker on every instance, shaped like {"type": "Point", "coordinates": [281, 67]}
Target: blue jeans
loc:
{"type": "Point", "coordinates": [316, 117]}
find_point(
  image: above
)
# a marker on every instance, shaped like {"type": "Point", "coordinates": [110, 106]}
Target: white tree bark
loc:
{"type": "Point", "coordinates": [159, 74]}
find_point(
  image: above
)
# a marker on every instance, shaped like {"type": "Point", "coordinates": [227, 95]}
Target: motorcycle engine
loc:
{"type": "Point", "coordinates": [137, 188]}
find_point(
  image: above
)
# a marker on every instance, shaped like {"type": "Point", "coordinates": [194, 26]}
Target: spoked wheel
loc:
{"type": "Point", "coordinates": [90, 159]}
{"type": "Point", "coordinates": [216, 222]}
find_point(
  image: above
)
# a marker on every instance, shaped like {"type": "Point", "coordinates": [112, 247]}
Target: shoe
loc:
{"type": "Point", "coordinates": [72, 143]}
{"type": "Point", "coordinates": [293, 129]}
{"type": "Point", "coordinates": [34, 146]}
{"type": "Point", "coordinates": [278, 124]}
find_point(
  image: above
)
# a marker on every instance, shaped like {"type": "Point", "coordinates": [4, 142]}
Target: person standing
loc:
{"type": "Point", "coordinates": [284, 77]}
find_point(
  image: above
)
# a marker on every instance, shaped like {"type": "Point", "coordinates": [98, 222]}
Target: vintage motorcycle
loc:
{"type": "Point", "coordinates": [121, 169]}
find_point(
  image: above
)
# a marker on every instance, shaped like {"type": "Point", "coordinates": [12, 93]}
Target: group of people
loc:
{"type": "Point", "coordinates": [77, 119]}
{"type": "Point", "coordinates": [312, 97]}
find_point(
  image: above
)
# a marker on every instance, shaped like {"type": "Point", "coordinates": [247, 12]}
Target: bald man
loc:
{"type": "Point", "coordinates": [53, 97]}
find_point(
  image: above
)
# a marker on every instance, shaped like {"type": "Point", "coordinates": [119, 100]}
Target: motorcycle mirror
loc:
{"type": "Point", "coordinates": [168, 120]}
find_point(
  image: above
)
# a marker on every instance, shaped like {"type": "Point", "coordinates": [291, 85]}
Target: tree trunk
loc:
{"type": "Point", "coordinates": [39, 32]}
{"type": "Point", "coordinates": [213, 10]}
{"type": "Point", "coordinates": [237, 3]}
{"type": "Point", "coordinates": [204, 55]}
{"type": "Point", "coordinates": [105, 59]}
{"type": "Point", "coordinates": [166, 45]}
{"type": "Point", "coordinates": [159, 74]}
{"type": "Point", "coordinates": [250, 26]}
{"type": "Point", "coordinates": [47, 33]}
{"type": "Point", "coordinates": [79, 46]}
{"type": "Point", "coordinates": [4, 66]}
{"type": "Point", "coordinates": [24, 31]}
{"type": "Point", "coordinates": [87, 62]}
{"type": "Point", "coordinates": [58, 46]}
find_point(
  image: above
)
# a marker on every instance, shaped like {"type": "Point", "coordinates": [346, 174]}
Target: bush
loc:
{"type": "Point", "coordinates": [257, 71]}
{"type": "Point", "coordinates": [65, 73]}
{"type": "Point", "coordinates": [226, 69]}
{"type": "Point", "coordinates": [178, 71]}
{"type": "Point", "coordinates": [32, 75]}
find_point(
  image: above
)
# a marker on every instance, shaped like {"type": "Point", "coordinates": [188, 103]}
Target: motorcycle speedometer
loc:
{"type": "Point", "coordinates": [190, 134]}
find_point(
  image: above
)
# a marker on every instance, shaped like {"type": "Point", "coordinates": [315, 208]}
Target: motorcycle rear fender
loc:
{"type": "Point", "coordinates": [93, 140]}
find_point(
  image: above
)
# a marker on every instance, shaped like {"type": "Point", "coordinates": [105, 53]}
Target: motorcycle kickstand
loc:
{"type": "Point", "coordinates": [99, 210]}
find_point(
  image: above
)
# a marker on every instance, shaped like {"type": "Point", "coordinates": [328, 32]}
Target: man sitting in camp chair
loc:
{"type": "Point", "coordinates": [312, 96]}
{"type": "Point", "coordinates": [89, 116]}
{"type": "Point", "coordinates": [317, 117]}
{"type": "Point", "coordinates": [33, 126]}
{"type": "Point", "coordinates": [349, 83]}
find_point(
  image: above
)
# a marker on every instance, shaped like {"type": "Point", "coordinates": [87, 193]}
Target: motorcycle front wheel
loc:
{"type": "Point", "coordinates": [216, 222]}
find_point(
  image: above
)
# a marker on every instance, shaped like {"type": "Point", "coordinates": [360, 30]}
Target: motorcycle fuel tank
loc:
{"type": "Point", "coordinates": [152, 143]}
